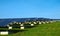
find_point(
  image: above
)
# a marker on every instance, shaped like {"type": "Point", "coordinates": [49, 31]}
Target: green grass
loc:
{"type": "Point", "coordinates": [52, 29]}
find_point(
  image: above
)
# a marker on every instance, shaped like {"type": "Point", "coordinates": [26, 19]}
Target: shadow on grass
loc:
{"type": "Point", "coordinates": [13, 31]}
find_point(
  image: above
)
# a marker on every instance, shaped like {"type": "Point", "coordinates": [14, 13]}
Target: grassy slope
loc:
{"type": "Point", "coordinates": [52, 29]}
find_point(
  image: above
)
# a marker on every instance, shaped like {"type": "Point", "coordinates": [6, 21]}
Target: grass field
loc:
{"type": "Point", "coordinates": [52, 29]}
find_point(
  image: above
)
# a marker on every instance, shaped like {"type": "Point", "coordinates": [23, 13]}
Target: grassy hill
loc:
{"type": "Point", "coordinates": [52, 29]}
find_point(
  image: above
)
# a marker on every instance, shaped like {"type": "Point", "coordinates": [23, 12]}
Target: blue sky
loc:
{"type": "Point", "coordinates": [29, 8]}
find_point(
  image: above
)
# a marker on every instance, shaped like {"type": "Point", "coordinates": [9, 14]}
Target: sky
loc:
{"type": "Point", "coordinates": [30, 8]}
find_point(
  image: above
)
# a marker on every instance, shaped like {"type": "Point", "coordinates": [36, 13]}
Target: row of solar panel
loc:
{"type": "Point", "coordinates": [4, 22]}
